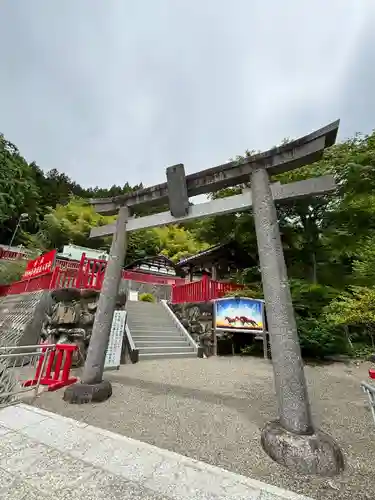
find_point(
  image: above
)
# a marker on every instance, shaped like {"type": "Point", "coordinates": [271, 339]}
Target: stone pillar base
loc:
{"type": "Point", "coordinates": [316, 454]}
{"type": "Point", "coordinates": [88, 393]}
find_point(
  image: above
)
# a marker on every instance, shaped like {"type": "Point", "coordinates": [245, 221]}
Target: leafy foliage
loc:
{"type": "Point", "coordinates": [11, 271]}
{"type": "Point", "coordinates": [146, 297]}
{"type": "Point", "coordinates": [329, 241]}
{"type": "Point", "coordinates": [176, 242]}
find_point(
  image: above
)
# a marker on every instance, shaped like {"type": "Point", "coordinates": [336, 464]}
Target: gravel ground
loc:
{"type": "Point", "coordinates": [212, 410]}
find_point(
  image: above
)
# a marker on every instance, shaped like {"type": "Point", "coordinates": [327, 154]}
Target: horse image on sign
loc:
{"type": "Point", "coordinates": [239, 313]}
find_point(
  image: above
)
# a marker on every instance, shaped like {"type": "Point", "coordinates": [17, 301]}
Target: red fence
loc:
{"type": "Point", "coordinates": [202, 291]}
{"type": "Point", "coordinates": [54, 371]}
{"type": "Point", "coordinates": [151, 278]}
{"type": "Point", "coordinates": [28, 285]}
{"type": "Point", "coordinates": [86, 274]}
{"type": "Point", "coordinates": [89, 274]}
{"type": "Point", "coordinates": [11, 255]}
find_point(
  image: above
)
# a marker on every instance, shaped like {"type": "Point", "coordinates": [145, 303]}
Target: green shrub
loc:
{"type": "Point", "coordinates": [146, 297]}
{"type": "Point", "coordinates": [361, 350]}
{"type": "Point", "coordinates": [318, 338]}
{"type": "Point", "coordinates": [11, 270]}
{"type": "Point", "coordinates": [255, 349]}
{"type": "Point", "coordinates": [248, 292]}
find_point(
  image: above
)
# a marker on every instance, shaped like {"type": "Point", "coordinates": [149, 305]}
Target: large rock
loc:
{"type": "Point", "coordinates": [316, 453]}
{"type": "Point", "coordinates": [65, 314]}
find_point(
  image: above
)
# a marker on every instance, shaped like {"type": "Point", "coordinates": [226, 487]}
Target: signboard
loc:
{"type": "Point", "coordinates": [41, 265]}
{"type": "Point", "coordinates": [239, 314]}
{"type": "Point", "coordinates": [113, 354]}
{"type": "Point", "coordinates": [133, 295]}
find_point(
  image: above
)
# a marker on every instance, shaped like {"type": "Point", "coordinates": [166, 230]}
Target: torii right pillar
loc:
{"type": "Point", "coordinates": [292, 440]}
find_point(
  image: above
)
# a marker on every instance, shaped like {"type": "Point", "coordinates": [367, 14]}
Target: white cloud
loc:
{"type": "Point", "coordinates": [115, 91]}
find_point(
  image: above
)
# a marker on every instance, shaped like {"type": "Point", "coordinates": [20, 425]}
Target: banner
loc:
{"type": "Point", "coordinates": [239, 314]}
{"type": "Point", "coordinates": [41, 265]}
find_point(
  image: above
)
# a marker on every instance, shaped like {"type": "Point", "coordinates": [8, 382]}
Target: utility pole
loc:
{"type": "Point", "coordinates": [22, 217]}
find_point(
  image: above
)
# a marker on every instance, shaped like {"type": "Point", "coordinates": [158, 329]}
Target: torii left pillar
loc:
{"type": "Point", "coordinates": [92, 387]}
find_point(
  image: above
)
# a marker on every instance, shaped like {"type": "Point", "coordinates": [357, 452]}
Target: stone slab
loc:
{"type": "Point", "coordinates": [21, 318]}
{"type": "Point", "coordinates": [236, 203]}
{"type": "Point", "coordinates": [47, 455]}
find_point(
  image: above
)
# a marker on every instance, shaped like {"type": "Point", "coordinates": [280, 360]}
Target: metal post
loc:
{"type": "Point", "coordinates": [265, 345]}
{"type": "Point", "coordinates": [93, 370]}
{"type": "Point", "coordinates": [214, 333]}
{"type": "Point", "coordinates": [14, 233]}
{"type": "Point", "coordinates": [21, 218]}
{"type": "Point", "coordinates": [290, 384]}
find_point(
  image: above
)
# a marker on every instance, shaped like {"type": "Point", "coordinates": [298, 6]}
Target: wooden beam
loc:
{"type": "Point", "coordinates": [295, 154]}
{"type": "Point", "coordinates": [281, 192]}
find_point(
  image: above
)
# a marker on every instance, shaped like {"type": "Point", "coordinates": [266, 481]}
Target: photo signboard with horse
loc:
{"type": "Point", "coordinates": [240, 314]}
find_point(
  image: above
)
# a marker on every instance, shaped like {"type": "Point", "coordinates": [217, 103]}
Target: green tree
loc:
{"type": "Point", "coordinates": [18, 190]}
{"type": "Point", "coordinates": [141, 244]}
{"type": "Point", "coordinates": [11, 271]}
{"type": "Point", "coordinates": [70, 223]}
{"type": "Point", "coordinates": [175, 242]}
{"type": "Point", "coordinates": [355, 308]}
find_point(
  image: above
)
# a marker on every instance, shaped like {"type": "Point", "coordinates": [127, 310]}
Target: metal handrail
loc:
{"type": "Point", "coordinates": [179, 325]}
{"type": "Point", "coordinates": [369, 389]}
{"type": "Point", "coordinates": [11, 388]}
{"type": "Point", "coordinates": [130, 338]}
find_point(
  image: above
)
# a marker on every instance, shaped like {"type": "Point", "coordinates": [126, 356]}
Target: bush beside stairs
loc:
{"type": "Point", "coordinates": [155, 333]}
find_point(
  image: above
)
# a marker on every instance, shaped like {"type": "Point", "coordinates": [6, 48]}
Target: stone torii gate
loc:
{"type": "Point", "coordinates": [292, 440]}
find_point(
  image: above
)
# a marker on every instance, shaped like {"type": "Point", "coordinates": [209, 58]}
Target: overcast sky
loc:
{"type": "Point", "coordinates": [112, 91]}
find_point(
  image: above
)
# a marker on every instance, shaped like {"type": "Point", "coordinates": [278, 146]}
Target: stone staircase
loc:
{"type": "Point", "coordinates": [156, 333]}
{"type": "Point", "coordinates": [21, 318]}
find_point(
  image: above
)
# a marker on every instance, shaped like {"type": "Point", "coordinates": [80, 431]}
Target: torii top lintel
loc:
{"type": "Point", "coordinates": [290, 156]}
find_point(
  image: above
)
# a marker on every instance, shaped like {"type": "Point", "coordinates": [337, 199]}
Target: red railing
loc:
{"type": "Point", "coordinates": [54, 371]}
{"type": "Point", "coordinates": [89, 274]}
{"type": "Point", "coordinates": [151, 278]}
{"type": "Point", "coordinates": [12, 255]}
{"type": "Point", "coordinates": [202, 291]}
{"type": "Point", "coordinates": [68, 264]}
{"type": "Point", "coordinates": [62, 278]}
{"type": "Point", "coordinates": [28, 285]}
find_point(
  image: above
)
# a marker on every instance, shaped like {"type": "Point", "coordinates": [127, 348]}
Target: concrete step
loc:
{"type": "Point", "coordinates": [144, 336]}
{"type": "Point", "coordinates": [21, 318]}
{"type": "Point", "coordinates": [153, 330]}
{"type": "Point", "coordinates": [148, 317]}
{"type": "Point", "coordinates": [146, 356]}
{"type": "Point", "coordinates": [144, 306]}
{"type": "Point", "coordinates": [161, 343]}
{"type": "Point", "coordinates": [150, 324]}
{"type": "Point", "coordinates": [148, 307]}
{"type": "Point", "coordinates": [165, 349]}
{"type": "Point", "coordinates": [148, 314]}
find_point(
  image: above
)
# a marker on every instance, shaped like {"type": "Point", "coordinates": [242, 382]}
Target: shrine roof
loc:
{"type": "Point", "coordinates": [158, 262]}
{"type": "Point", "coordinates": [229, 251]}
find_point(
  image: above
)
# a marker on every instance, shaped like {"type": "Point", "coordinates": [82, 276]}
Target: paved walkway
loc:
{"type": "Point", "coordinates": [212, 410]}
{"type": "Point", "coordinates": [47, 456]}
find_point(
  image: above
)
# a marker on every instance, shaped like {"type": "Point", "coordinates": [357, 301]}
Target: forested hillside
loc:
{"type": "Point", "coordinates": [329, 242]}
